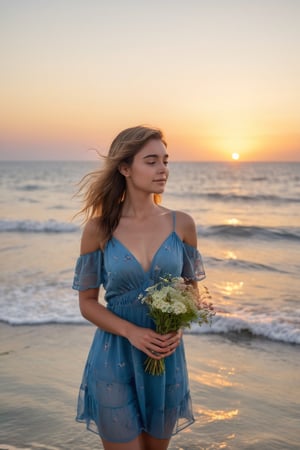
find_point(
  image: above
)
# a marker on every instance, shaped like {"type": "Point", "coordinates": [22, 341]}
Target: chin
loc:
{"type": "Point", "coordinates": [159, 191]}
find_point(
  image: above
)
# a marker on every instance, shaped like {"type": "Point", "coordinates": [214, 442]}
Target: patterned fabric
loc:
{"type": "Point", "coordinates": [117, 399]}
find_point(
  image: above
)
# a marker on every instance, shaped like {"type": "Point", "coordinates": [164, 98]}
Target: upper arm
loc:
{"type": "Point", "coordinates": [91, 237]}
{"type": "Point", "coordinates": [90, 241]}
{"type": "Point", "coordinates": [187, 229]}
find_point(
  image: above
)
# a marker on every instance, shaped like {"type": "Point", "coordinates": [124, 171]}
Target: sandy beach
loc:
{"type": "Point", "coordinates": [245, 391]}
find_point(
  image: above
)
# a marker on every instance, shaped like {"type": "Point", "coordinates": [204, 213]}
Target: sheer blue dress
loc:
{"type": "Point", "coordinates": [117, 399]}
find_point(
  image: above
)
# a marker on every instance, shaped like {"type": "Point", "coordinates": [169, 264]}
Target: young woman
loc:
{"type": "Point", "coordinates": [128, 243]}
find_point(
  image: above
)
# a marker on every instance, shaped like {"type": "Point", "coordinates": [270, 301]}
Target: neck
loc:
{"type": "Point", "coordinates": [139, 206]}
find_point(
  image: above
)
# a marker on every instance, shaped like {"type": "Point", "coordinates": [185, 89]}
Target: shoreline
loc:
{"type": "Point", "coordinates": [245, 391]}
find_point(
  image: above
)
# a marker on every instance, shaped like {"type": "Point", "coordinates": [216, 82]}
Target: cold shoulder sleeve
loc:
{"type": "Point", "coordinates": [192, 264]}
{"type": "Point", "coordinates": [88, 271]}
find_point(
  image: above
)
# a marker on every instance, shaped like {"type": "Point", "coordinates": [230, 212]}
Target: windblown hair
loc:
{"type": "Point", "coordinates": [104, 190]}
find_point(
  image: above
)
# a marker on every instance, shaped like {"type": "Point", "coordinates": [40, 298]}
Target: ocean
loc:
{"type": "Point", "coordinates": [248, 223]}
{"type": "Point", "coordinates": [243, 370]}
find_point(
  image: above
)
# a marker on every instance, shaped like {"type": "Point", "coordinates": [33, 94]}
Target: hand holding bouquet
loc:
{"type": "Point", "coordinates": [174, 304]}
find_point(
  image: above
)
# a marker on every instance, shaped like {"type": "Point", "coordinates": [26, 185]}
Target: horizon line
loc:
{"type": "Point", "coordinates": [172, 161]}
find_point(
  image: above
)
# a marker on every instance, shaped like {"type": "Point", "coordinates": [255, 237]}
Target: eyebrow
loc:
{"type": "Point", "coordinates": [155, 156]}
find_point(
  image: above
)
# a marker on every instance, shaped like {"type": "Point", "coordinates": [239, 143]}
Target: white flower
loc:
{"type": "Point", "coordinates": [174, 304]}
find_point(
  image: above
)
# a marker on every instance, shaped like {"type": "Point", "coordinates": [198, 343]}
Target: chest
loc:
{"type": "Point", "coordinates": [143, 240]}
{"type": "Point", "coordinates": [124, 266]}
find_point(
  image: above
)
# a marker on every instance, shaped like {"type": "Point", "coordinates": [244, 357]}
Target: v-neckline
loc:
{"type": "Point", "coordinates": [153, 257]}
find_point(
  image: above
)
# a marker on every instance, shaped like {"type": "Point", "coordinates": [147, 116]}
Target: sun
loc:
{"type": "Point", "coordinates": [235, 156]}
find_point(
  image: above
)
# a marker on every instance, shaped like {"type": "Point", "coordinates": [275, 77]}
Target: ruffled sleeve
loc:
{"type": "Point", "coordinates": [192, 264]}
{"type": "Point", "coordinates": [88, 271]}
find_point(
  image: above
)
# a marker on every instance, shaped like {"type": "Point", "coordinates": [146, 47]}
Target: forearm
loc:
{"type": "Point", "coordinates": [144, 339]}
{"type": "Point", "coordinates": [100, 316]}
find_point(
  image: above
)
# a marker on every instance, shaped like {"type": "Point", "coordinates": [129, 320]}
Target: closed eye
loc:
{"type": "Point", "coordinates": [151, 163]}
{"type": "Point", "coordinates": [153, 158]}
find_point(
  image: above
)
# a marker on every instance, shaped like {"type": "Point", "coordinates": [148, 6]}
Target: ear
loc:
{"type": "Point", "coordinates": [124, 169]}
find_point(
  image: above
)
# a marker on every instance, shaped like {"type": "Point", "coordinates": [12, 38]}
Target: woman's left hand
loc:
{"type": "Point", "coordinates": [172, 341]}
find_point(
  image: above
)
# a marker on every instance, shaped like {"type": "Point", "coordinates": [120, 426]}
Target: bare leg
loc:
{"type": "Point", "coordinates": [143, 442]}
{"type": "Point", "coordinates": [136, 444]}
{"type": "Point", "coordinates": [151, 443]}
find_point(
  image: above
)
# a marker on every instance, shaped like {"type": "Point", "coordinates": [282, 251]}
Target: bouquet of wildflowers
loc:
{"type": "Point", "coordinates": [174, 304]}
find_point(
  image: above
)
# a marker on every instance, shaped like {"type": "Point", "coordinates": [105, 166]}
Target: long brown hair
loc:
{"type": "Point", "coordinates": [104, 190]}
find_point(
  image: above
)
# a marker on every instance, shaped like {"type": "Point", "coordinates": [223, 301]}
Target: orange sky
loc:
{"type": "Point", "coordinates": [216, 80]}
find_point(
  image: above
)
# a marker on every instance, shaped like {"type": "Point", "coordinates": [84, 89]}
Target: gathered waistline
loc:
{"type": "Point", "coordinates": [131, 298]}
{"type": "Point", "coordinates": [125, 303]}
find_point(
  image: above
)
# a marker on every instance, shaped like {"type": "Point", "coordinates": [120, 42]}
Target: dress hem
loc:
{"type": "Point", "coordinates": [93, 429]}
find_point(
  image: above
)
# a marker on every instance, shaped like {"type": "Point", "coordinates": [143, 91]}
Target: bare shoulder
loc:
{"type": "Point", "coordinates": [186, 228]}
{"type": "Point", "coordinates": [91, 236]}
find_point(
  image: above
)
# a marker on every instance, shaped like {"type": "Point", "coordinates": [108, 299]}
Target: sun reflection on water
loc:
{"type": "Point", "coordinates": [210, 415]}
{"type": "Point", "coordinates": [206, 379]}
{"type": "Point", "coordinates": [216, 380]}
{"type": "Point", "coordinates": [228, 288]}
{"type": "Point", "coordinates": [233, 221]}
{"type": "Point", "coordinates": [230, 255]}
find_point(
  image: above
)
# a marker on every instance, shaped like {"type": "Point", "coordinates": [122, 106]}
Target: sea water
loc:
{"type": "Point", "coordinates": [248, 223]}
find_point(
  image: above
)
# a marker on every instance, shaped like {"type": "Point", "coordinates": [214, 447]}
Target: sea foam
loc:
{"type": "Point", "coordinates": [33, 226]}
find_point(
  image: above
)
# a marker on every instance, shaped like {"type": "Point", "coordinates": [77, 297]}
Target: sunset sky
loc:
{"type": "Point", "coordinates": [218, 76]}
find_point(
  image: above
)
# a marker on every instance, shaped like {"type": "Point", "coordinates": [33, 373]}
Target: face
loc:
{"type": "Point", "coordinates": [149, 169]}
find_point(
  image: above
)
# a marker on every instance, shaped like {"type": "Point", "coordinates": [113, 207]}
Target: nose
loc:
{"type": "Point", "coordinates": [162, 168]}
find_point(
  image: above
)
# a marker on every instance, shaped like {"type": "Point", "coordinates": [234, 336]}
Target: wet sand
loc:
{"type": "Point", "coordinates": [245, 391]}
